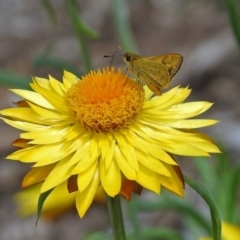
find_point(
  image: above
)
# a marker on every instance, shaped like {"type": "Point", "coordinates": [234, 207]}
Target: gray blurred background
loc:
{"type": "Point", "coordinates": [199, 30]}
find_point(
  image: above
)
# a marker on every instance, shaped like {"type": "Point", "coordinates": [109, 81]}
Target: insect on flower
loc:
{"type": "Point", "coordinates": [156, 71]}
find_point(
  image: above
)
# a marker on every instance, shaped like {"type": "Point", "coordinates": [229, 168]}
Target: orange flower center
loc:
{"type": "Point", "coordinates": [105, 101]}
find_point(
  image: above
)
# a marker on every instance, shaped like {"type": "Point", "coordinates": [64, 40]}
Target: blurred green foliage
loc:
{"type": "Point", "coordinates": [232, 7]}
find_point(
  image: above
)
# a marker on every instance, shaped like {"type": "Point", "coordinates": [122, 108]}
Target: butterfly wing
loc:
{"type": "Point", "coordinates": [172, 62]}
{"type": "Point", "coordinates": [153, 71]}
{"type": "Point", "coordinates": [153, 83]}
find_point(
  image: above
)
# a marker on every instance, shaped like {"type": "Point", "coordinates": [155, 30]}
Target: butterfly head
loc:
{"type": "Point", "coordinates": [128, 57]}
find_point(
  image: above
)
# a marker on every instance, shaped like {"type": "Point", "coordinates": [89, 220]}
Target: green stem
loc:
{"type": "Point", "coordinates": [120, 18]}
{"type": "Point", "coordinates": [80, 31]}
{"type": "Point", "coordinates": [116, 218]}
{"type": "Point", "coordinates": [203, 192]}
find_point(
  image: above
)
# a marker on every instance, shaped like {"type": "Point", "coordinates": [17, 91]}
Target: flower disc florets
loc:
{"type": "Point", "coordinates": [105, 101]}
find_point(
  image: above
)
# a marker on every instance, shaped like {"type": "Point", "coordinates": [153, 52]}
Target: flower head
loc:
{"type": "Point", "coordinates": [229, 232]}
{"type": "Point", "coordinates": [58, 202]}
{"type": "Point", "coordinates": [107, 130]}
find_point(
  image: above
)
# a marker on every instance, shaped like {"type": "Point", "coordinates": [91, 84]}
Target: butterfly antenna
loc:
{"type": "Point", "coordinates": [114, 54]}
{"type": "Point", "coordinates": [125, 71]}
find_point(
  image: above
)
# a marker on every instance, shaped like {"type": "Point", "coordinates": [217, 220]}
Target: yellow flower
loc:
{"type": "Point", "coordinates": [57, 203]}
{"type": "Point", "coordinates": [107, 130]}
{"type": "Point", "coordinates": [229, 232]}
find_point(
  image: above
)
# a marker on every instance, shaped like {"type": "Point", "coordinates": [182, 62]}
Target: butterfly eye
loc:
{"type": "Point", "coordinates": [128, 58]}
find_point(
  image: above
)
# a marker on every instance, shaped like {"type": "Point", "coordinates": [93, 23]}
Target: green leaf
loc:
{"type": "Point", "coordinates": [132, 210]}
{"type": "Point", "coordinates": [232, 215]}
{"type": "Point", "coordinates": [79, 25]}
{"type": "Point", "coordinates": [232, 9]}
{"type": "Point", "coordinates": [224, 192]}
{"type": "Point", "coordinates": [120, 14]}
{"type": "Point", "coordinates": [11, 79]}
{"type": "Point", "coordinates": [50, 10]}
{"type": "Point", "coordinates": [161, 233]}
{"type": "Point", "coordinates": [97, 236]}
{"type": "Point", "coordinates": [81, 31]}
{"type": "Point", "coordinates": [56, 63]}
{"type": "Point", "coordinates": [41, 201]}
{"type": "Point", "coordinates": [206, 170]}
{"type": "Point", "coordinates": [203, 192]}
{"type": "Point", "coordinates": [175, 203]}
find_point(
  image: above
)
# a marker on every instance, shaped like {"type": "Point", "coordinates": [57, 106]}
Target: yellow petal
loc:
{"type": "Point", "coordinates": [36, 175]}
{"type": "Point", "coordinates": [184, 149]}
{"type": "Point", "coordinates": [147, 145]}
{"type": "Point", "coordinates": [104, 144]}
{"type": "Point", "coordinates": [86, 176]}
{"type": "Point", "coordinates": [148, 179]}
{"type": "Point", "coordinates": [43, 82]}
{"type": "Point", "coordinates": [23, 114]}
{"type": "Point", "coordinates": [85, 198]}
{"type": "Point", "coordinates": [56, 86]}
{"type": "Point", "coordinates": [86, 161]}
{"type": "Point", "coordinates": [79, 156]}
{"type": "Point", "coordinates": [127, 150]}
{"type": "Point", "coordinates": [69, 79]}
{"type": "Point", "coordinates": [47, 114]}
{"type": "Point", "coordinates": [110, 152]}
{"type": "Point", "coordinates": [173, 96]}
{"type": "Point", "coordinates": [190, 124]}
{"type": "Point", "coordinates": [59, 174]}
{"type": "Point", "coordinates": [53, 98]}
{"type": "Point", "coordinates": [123, 164]}
{"type": "Point", "coordinates": [152, 163]}
{"type": "Point", "coordinates": [205, 146]}
{"type": "Point", "coordinates": [33, 97]}
{"type": "Point", "coordinates": [25, 126]}
{"type": "Point", "coordinates": [110, 178]}
{"type": "Point", "coordinates": [46, 136]}
{"type": "Point", "coordinates": [187, 108]}
{"type": "Point", "coordinates": [44, 155]}
{"type": "Point", "coordinates": [173, 183]}
{"type": "Point", "coordinates": [76, 130]}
